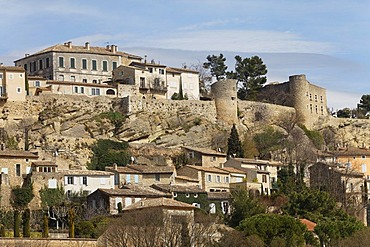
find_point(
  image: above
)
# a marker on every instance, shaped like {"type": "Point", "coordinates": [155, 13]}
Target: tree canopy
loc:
{"type": "Point", "coordinates": [106, 152]}
{"type": "Point", "coordinates": [217, 66]}
{"type": "Point", "coordinates": [251, 73]}
{"type": "Point", "coordinates": [234, 146]}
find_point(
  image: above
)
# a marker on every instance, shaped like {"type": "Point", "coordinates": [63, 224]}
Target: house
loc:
{"type": "Point", "coordinates": [68, 62]}
{"type": "Point", "coordinates": [107, 200]}
{"type": "Point", "coordinates": [211, 179]}
{"type": "Point", "coordinates": [266, 170]}
{"type": "Point", "coordinates": [81, 88]}
{"type": "Point", "coordinates": [219, 202]}
{"type": "Point", "coordinates": [204, 157]}
{"type": "Point", "coordinates": [14, 165]}
{"type": "Point", "coordinates": [185, 193]}
{"type": "Point", "coordinates": [145, 79]}
{"type": "Point", "coordinates": [86, 181]}
{"type": "Point", "coordinates": [155, 81]}
{"type": "Point", "coordinates": [143, 175]}
{"type": "Point", "coordinates": [44, 174]}
{"type": "Point", "coordinates": [187, 78]}
{"type": "Point", "coordinates": [12, 84]}
{"type": "Point", "coordinates": [344, 184]}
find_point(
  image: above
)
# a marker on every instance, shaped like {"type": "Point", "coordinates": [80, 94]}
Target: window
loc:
{"type": "Point", "coordinates": [11, 76]}
{"type": "Point", "coordinates": [136, 178]}
{"type": "Point", "coordinates": [128, 178]}
{"type": "Point", "coordinates": [84, 64]}
{"type": "Point", "coordinates": [209, 178]}
{"type": "Point", "coordinates": [69, 180]}
{"type": "Point", "coordinates": [84, 80]}
{"type": "Point", "coordinates": [213, 158]}
{"type": "Point", "coordinates": [114, 65]}
{"type": "Point", "coordinates": [157, 177]}
{"type": "Point", "coordinates": [18, 170]}
{"type": "Point", "coordinates": [363, 157]}
{"type": "Point", "coordinates": [187, 195]}
{"type": "Point", "coordinates": [321, 99]}
{"type": "Point", "coordinates": [174, 194]}
{"type": "Point", "coordinates": [47, 62]}
{"type": "Point", "coordinates": [82, 90]}
{"type": "Point", "coordinates": [84, 180]}
{"type": "Point", "coordinates": [73, 78]}
{"type": "Point", "coordinates": [72, 63]}
{"type": "Point", "coordinates": [1, 76]}
{"type": "Point", "coordinates": [94, 81]}
{"type": "Point", "coordinates": [75, 89]}
{"type": "Point", "coordinates": [34, 66]}
{"type": "Point", "coordinates": [52, 183]}
{"type": "Point", "coordinates": [212, 208]}
{"type": "Point", "coordinates": [61, 78]}
{"type": "Point", "coordinates": [69, 193]}
{"type": "Point", "coordinates": [196, 195]}
{"type": "Point", "coordinates": [218, 179]}
{"type": "Point", "coordinates": [315, 98]}
{"type": "Point", "coordinates": [25, 67]}
{"type": "Point", "coordinates": [195, 204]}
{"type": "Point", "coordinates": [150, 70]}
{"type": "Point", "coordinates": [161, 71]}
{"type": "Point", "coordinates": [363, 168]}
{"type": "Point", "coordinates": [40, 64]}
{"type": "Point", "coordinates": [19, 90]}
{"type": "Point", "coordinates": [191, 155]}
{"type": "Point", "coordinates": [142, 82]}
{"type": "Point", "coordinates": [94, 65]}
{"type": "Point", "coordinates": [264, 179]}
{"type": "Point", "coordinates": [61, 62]}
{"type": "Point", "coordinates": [227, 180]}
{"type": "Point", "coordinates": [37, 83]}
{"type": "Point", "coordinates": [105, 66]}
{"type": "Point", "coordinates": [95, 91]}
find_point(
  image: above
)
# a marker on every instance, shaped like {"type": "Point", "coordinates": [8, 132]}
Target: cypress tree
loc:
{"type": "Point", "coordinates": [26, 223]}
{"type": "Point", "coordinates": [45, 232]}
{"type": "Point", "coordinates": [234, 146]}
{"type": "Point", "coordinates": [2, 231]}
{"type": "Point", "coordinates": [71, 222]}
{"type": "Point", "coordinates": [17, 224]}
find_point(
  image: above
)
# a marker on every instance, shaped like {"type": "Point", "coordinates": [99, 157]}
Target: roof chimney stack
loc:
{"type": "Point", "coordinates": [87, 46]}
{"type": "Point", "coordinates": [113, 48]}
{"type": "Point", "coordinates": [69, 44]}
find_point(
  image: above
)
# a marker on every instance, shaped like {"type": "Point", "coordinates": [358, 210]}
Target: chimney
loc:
{"type": "Point", "coordinates": [114, 166]}
{"type": "Point", "coordinates": [69, 44]}
{"type": "Point", "coordinates": [145, 59]}
{"type": "Point", "coordinates": [113, 48]}
{"type": "Point", "coordinates": [87, 46]}
{"type": "Point", "coordinates": [107, 47]}
{"type": "Point", "coordinates": [26, 55]}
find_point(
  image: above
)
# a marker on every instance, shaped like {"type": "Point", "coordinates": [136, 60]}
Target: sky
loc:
{"type": "Point", "coordinates": [324, 39]}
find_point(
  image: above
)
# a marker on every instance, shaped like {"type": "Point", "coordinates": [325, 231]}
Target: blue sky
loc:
{"type": "Point", "coordinates": [326, 40]}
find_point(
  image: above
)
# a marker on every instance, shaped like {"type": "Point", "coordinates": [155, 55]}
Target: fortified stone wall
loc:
{"type": "Point", "coordinates": [136, 104]}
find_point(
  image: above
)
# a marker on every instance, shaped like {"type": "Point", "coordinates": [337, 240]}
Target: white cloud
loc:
{"type": "Point", "coordinates": [340, 100]}
{"type": "Point", "coordinates": [235, 40]}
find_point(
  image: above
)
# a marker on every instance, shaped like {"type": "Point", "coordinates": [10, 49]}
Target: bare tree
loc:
{"type": "Point", "coordinates": [205, 78]}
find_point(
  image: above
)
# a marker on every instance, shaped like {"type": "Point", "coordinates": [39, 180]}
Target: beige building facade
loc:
{"type": "Point", "coordinates": [12, 84]}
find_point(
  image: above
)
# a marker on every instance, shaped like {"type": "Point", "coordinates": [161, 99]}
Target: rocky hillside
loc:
{"type": "Point", "coordinates": [68, 125]}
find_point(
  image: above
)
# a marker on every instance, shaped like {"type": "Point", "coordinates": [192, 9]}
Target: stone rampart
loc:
{"type": "Point", "coordinates": [206, 109]}
{"type": "Point", "coordinates": [20, 242]}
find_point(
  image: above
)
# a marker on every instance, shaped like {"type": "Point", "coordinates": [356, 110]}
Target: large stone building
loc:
{"type": "Point", "coordinates": [67, 62]}
{"type": "Point", "coordinates": [308, 99]}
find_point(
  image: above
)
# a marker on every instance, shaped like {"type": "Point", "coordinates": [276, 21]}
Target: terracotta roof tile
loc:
{"type": "Point", "coordinates": [178, 188]}
{"type": "Point", "coordinates": [18, 154]}
{"type": "Point", "coordinates": [205, 151]}
{"type": "Point", "coordinates": [86, 172]}
{"type": "Point", "coordinates": [135, 191]}
{"type": "Point", "coordinates": [159, 202]}
{"type": "Point", "coordinates": [207, 169]}
{"type": "Point", "coordinates": [309, 224]}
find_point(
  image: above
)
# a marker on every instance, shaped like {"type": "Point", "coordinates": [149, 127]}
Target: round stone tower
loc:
{"type": "Point", "coordinates": [299, 89]}
{"type": "Point", "coordinates": [225, 96]}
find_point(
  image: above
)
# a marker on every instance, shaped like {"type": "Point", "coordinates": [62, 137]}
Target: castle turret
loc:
{"type": "Point", "coordinates": [309, 100]}
{"type": "Point", "coordinates": [225, 96]}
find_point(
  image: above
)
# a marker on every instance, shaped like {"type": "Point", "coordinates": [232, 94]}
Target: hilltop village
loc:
{"type": "Point", "coordinates": [67, 110]}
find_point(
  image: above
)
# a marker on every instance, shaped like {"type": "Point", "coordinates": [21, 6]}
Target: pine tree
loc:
{"type": "Point", "coordinates": [234, 146]}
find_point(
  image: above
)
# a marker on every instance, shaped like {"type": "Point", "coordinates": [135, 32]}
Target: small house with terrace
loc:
{"type": "Point", "coordinates": [204, 157]}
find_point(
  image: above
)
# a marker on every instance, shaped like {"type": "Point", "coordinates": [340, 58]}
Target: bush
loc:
{"type": "Point", "coordinates": [85, 229]}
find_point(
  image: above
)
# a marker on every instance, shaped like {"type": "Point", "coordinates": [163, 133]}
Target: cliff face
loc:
{"type": "Point", "coordinates": [69, 125]}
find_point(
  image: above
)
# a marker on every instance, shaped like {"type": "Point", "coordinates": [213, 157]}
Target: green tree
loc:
{"type": "Point", "coordinates": [243, 206]}
{"type": "Point", "coordinates": [234, 146]}
{"type": "Point", "coordinates": [268, 140]}
{"type": "Point", "coordinates": [345, 113]}
{"type": "Point", "coordinates": [106, 152]}
{"type": "Point", "coordinates": [331, 231]}
{"type": "Point", "coordinates": [217, 66]}
{"type": "Point", "coordinates": [21, 196]}
{"type": "Point", "coordinates": [273, 228]}
{"type": "Point", "coordinates": [45, 226]}
{"type": "Point", "coordinates": [17, 223]}
{"type": "Point", "coordinates": [52, 197]}
{"type": "Point", "coordinates": [364, 105]}
{"type": "Point", "coordinates": [26, 223]}
{"type": "Point", "coordinates": [251, 73]}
